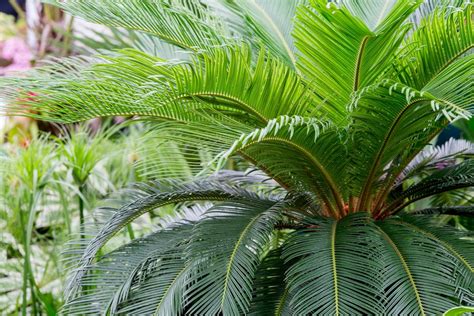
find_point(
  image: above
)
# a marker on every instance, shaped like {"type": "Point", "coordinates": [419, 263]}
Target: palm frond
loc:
{"type": "Point", "coordinates": [401, 121]}
{"type": "Point", "coordinates": [145, 199]}
{"type": "Point", "coordinates": [269, 23]}
{"type": "Point", "coordinates": [180, 23]}
{"type": "Point", "coordinates": [455, 241]}
{"type": "Point", "coordinates": [441, 37]}
{"type": "Point", "coordinates": [111, 280]}
{"type": "Point", "coordinates": [436, 156]}
{"type": "Point", "coordinates": [160, 289]}
{"type": "Point", "coordinates": [448, 179]}
{"type": "Point", "coordinates": [427, 8]}
{"type": "Point", "coordinates": [430, 276]}
{"type": "Point", "coordinates": [446, 210]}
{"type": "Point", "coordinates": [374, 12]}
{"type": "Point", "coordinates": [134, 83]}
{"type": "Point", "coordinates": [339, 54]}
{"type": "Point", "coordinates": [396, 266]}
{"type": "Point", "coordinates": [225, 253]}
{"type": "Point", "coordinates": [270, 296]}
{"type": "Point", "coordinates": [307, 145]}
{"type": "Point", "coordinates": [109, 41]}
{"type": "Point", "coordinates": [336, 267]}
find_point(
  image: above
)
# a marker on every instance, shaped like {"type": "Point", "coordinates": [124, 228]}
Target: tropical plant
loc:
{"type": "Point", "coordinates": [25, 181]}
{"type": "Point", "coordinates": [331, 102]}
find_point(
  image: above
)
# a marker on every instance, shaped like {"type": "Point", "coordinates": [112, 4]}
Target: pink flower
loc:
{"type": "Point", "coordinates": [17, 52]}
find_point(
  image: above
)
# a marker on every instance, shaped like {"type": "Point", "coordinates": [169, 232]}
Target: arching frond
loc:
{"type": "Point", "coordinates": [455, 241]}
{"type": "Point", "coordinates": [421, 274]}
{"type": "Point", "coordinates": [446, 210]}
{"type": "Point", "coordinates": [134, 83]}
{"type": "Point", "coordinates": [374, 13]}
{"type": "Point", "coordinates": [269, 23]}
{"type": "Point", "coordinates": [427, 8]}
{"type": "Point", "coordinates": [398, 123]}
{"type": "Point", "coordinates": [299, 152]}
{"type": "Point", "coordinates": [358, 266]}
{"type": "Point", "coordinates": [115, 39]}
{"type": "Point", "coordinates": [437, 156]}
{"type": "Point", "coordinates": [146, 199]}
{"type": "Point", "coordinates": [336, 267]}
{"type": "Point", "coordinates": [225, 252]}
{"type": "Point", "coordinates": [185, 25]}
{"type": "Point", "coordinates": [339, 54]}
{"type": "Point", "coordinates": [447, 179]}
{"type": "Point", "coordinates": [110, 281]}
{"type": "Point", "coordinates": [270, 296]}
{"type": "Point", "coordinates": [159, 288]}
{"type": "Point", "coordinates": [441, 38]}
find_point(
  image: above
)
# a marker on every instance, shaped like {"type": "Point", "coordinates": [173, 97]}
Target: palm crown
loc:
{"type": "Point", "coordinates": [333, 102]}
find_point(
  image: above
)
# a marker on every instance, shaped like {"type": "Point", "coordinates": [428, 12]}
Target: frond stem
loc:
{"type": "Point", "coordinates": [328, 179]}
{"type": "Point", "coordinates": [405, 267]}
{"type": "Point", "coordinates": [364, 198]}
{"type": "Point", "coordinates": [288, 50]}
{"type": "Point", "coordinates": [358, 64]}
{"type": "Point", "coordinates": [445, 244]}
{"type": "Point", "coordinates": [334, 267]}
{"type": "Point", "coordinates": [243, 106]}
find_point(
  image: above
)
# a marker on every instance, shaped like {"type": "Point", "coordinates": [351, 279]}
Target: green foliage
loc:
{"type": "Point", "coordinates": [457, 311]}
{"type": "Point", "coordinates": [333, 102]}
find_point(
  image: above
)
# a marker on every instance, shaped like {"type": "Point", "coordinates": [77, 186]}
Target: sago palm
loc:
{"type": "Point", "coordinates": [332, 103]}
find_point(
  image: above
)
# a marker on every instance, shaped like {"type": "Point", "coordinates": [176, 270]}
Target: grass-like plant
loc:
{"type": "Point", "coordinates": [27, 175]}
{"type": "Point", "coordinates": [332, 102]}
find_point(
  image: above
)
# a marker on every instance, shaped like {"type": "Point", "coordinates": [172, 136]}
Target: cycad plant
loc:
{"type": "Point", "coordinates": [330, 102]}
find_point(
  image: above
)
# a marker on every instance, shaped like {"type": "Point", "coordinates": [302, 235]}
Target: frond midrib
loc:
{"type": "Point", "coordinates": [405, 267]}
{"type": "Point", "coordinates": [175, 280]}
{"type": "Point", "coordinates": [243, 105]}
{"type": "Point", "coordinates": [445, 244]}
{"type": "Point", "coordinates": [334, 266]}
{"type": "Point", "coordinates": [329, 181]}
{"type": "Point", "coordinates": [232, 257]}
{"type": "Point", "coordinates": [368, 183]}
{"type": "Point", "coordinates": [281, 303]}
{"type": "Point", "coordinates": [280, 36]}
{"type": "Point", "coordinates": [358, 64]}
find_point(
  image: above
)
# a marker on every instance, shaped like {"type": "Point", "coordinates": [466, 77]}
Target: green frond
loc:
{"type": "Point", "coordinates": [159, 289]}
{"type": "Point", "coordinates": [428, 6]}
{"type": "Point", "coordinates": [376, 13]}
{"type": "Point", "coordinates": [118, 275]}
{"type": "Point", "coordinates": [431, 157]}
{"type": "Point", "coordinates": [421, 275]}
{"type": "Point", "coordinates": [447, 179]}
{"type": "Point", "coordinates": [446, 210]}
{"type": "Point", "coordinates": [77, 89]}
{"type": "Point", "coordinates": [262, 90]}
{"type": "Point", "coordinates": [225, 83]}
{"type": "Point", "coordinates": [180, 23]}
{"type": "Point", "coordinates": [455, 241]}
{"type": "Point", "coordinates": [441, 38]}
{"type": "Point", "coordinates": [270, 296]}
{"type": "Point", "coordinates": [107, 42]}
{"type": "Point", "coordinates": [145, 199]}
{"type": "Point", "coordinates": [297, 151]}
{"type": "Point", "coordinates": [340, 55]}
{"type": "Point", "coordinates": [225, 252]}
{"type": "Point", "coordinates": [358, 266]}
{"type": "Point", "coordinates": [335, 268]}
{"type": "Point", "coordinates": [270, 23]}
{"type": "Point", "coordinates": [393, 120]}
